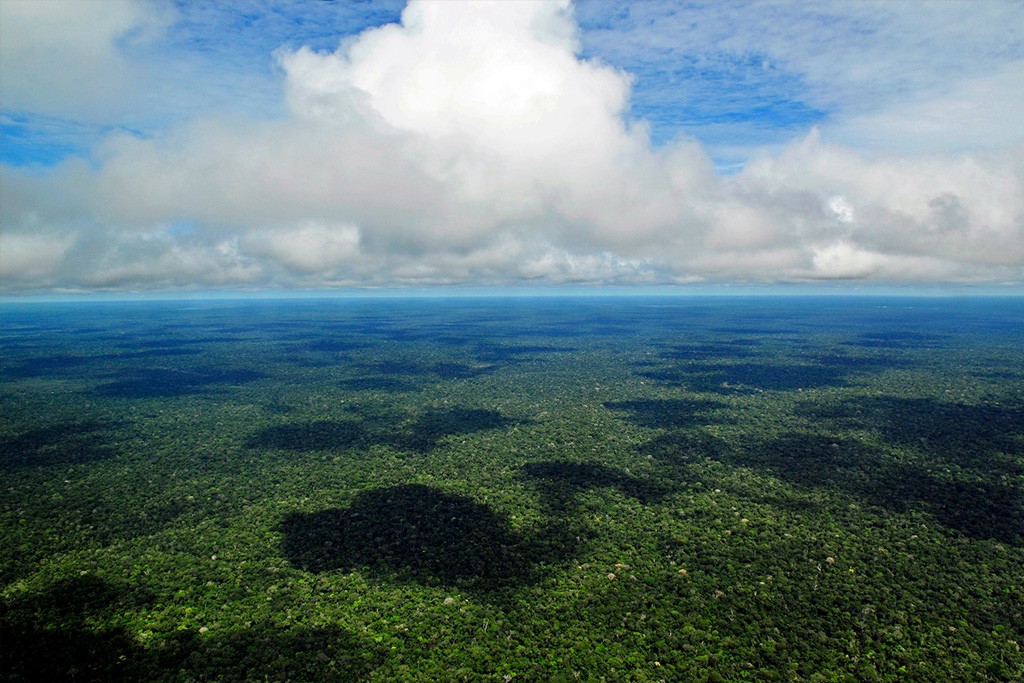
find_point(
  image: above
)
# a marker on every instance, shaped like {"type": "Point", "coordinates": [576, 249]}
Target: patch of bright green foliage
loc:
{"type": "Point", "coordinates": [534, 490]}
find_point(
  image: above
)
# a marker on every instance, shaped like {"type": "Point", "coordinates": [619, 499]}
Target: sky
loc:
{"type": "Point", "coordinates": [286, 145]}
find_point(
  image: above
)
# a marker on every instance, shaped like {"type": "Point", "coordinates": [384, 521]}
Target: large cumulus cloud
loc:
{"type": "Point", "coordinates": [472, 144]}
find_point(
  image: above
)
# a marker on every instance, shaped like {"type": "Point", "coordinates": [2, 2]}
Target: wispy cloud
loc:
{"type": "Point", "coordinates": [851, 68]}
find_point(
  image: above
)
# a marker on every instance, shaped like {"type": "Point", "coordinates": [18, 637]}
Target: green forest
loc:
{"type": "Point", "coordinates": [673, 489]}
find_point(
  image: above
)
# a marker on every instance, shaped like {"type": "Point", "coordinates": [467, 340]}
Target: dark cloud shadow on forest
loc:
{"type": "Point", "coordinates": [428, 371]}
{"type": "Point", "coordinates": [978, 503]}
{"type": "Point", "coordinates": [423, 433]}
{"type": "Point", "coordinates": [264, 652]}
{"type": "Point", "coordinates": [553, 331]}
{"type": "Point", "coordinates": [998, 374]}
{"type": "Point", "coordinates": [75, 651]}
{"type": "Point", "coordinates": [64, 443]}
{"type": "Point", "coordinates": [669, 413]}
{"type": "Point", "coordinates": [898, 339]}
{"type": "Point", "coordinates": [429, 429]}
{"type": "Point", "coordinates": [685, 446]}
{"type": "Point", "coordinates": [732, 378]}
{"type": "Point", "coordinates": [424, 328]}
{"type": "Point", "coordinates": [508, 355]}
{"type": "Point", "coordinates": [968, 435]}
{"type": "Point", "coordinates": [712, 373]}
{"type": "Point", "coordinates": [158, 344]}
{"type": "Point", "coordinates": [852, 363]}
{"type": "Point", "coordinates": [388, 384]}
{"type": "Point", "coordinates": [459, 370]}
{"type": "Point", "coordinates": [49, 636]}
{"type": "Point", "coordinates": [561, 483]}
{"type": "Point", "coordinates": [757, 332]}
{"type": "Point", "coordinates": [321, 352]}
{"type": "Point", "coordinates": [975, 455]}
{"type": "Point", "coordinates": [152, 353]}
{"type": "Point", "coordinates": [312, 436]}
{"type": "Point", "coordinates": [84, 366]}
{"type": "Point", "coordinates": [168, 383]}
{"type": "Point", "coordinates": [407, 334]}
{"type": "Point", "coordinates": [396, 367]}
{"type": "Point", "coordinates": [709, 351]}
{"type": "Point", "coordinates": [53, 365]}
{"type": "Point", "coordinates": [332, 345]}
{"type": "Point", "coordinates": [980, 507]}
{"type": "Point", "coordinates": [424, 535]}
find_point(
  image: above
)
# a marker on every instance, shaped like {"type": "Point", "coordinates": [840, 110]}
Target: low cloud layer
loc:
{"type": "Point", "coordinates": [472, 144]}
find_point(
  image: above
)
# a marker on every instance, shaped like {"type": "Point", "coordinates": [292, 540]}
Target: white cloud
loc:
{"type": "Point", "coordinates": [33, 258]}
{"type": "Point", "coordinates": [520, 128]}
{"type": "Point", "coordinates": [979, 111]}
{"type": "Point", "coordinates": [155, 261]}
{"type": "Point", "coordinates": [963, 208]}
{"type": "Point", "coordinates": [62, 57]}
{"type": "Point", "coordinates": [311, 248]}
{"type": "Point", "coordinates": [931, 76]}
{"type": "Point", "coordinates": [472, 144]}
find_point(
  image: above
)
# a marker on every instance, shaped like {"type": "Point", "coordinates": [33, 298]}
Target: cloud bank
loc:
{"type": "Point", "coordinates": [471, 143]}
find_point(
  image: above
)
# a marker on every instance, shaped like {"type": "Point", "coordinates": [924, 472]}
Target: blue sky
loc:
{"type": "Point", "coordinates": [725, 98]}
{"type": "Point", "coordinates": [648, 144]}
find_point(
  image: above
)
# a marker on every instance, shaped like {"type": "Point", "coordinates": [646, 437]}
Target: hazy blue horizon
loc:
{"type": "Point", "coordinates": [541, 292]}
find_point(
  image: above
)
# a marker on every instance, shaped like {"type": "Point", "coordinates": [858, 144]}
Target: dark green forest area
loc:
{"type": "Point", "coordinates": [549, 489]}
